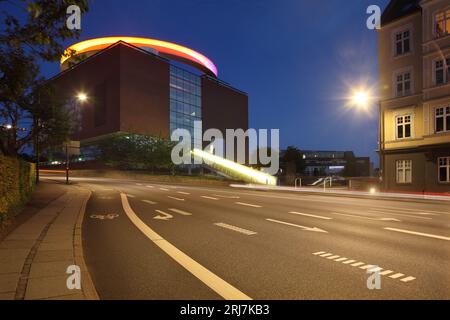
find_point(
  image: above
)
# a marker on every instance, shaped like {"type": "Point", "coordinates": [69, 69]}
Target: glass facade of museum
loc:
{"type": "Point", "coordinates": [185, 102]}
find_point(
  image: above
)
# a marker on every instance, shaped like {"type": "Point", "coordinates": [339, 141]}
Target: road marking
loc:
{"type": "Point", "coordinates": [175, 198]}
{"type": "Point", "coordinates": [362, 217]}
{"type": "Point", "coordinates": [130, 195]}
{"type": "Point", "coordinates": [396, 276]}
{"type": "Point", "coordinates": [149, 202]}
{"type": "Point", "coordinates": [311, 215]}
{"type": "Point", "coordinates": [401, 214]}
{"type": "Point", "coordinates": [163, 189]}
{"type": "Point", "coordinates": [183, 213]}
{"type": "Point", "coordinates": [298, 226]}
{"type": "Point", "coordinates": [407, 279]}
{"type": "Point", "coordinates": [413, 211]}
{"type": "Point", "coordinates": [149, 186]}
{"type": "Point", "coordinates": [419, 234]}
{"type": "Point", "coordinates": [163, 215]}
{"type": "Point", "coordinates": [226, 197]}
{"type": "Point", "coordinates": [363, 266]}
{"type": "Point", "coordinates": [234, 228]}
{"type": "Point", "coordinates": [248, 205]}
{"type": "Point", "coordinates": [386, 272]}
{"type": "Point", "coordinates": [182, 192]}
{"type": "Point", "coordinates": [217, 284]}
{"type": "Point", "coordinates": [340, 259]}
{"type": "Point", "coordinates": [357, 264]}
{"type": "Point", "coordinates": [211, 198]}
{"type": "Point", "coordinates": [139, 184]}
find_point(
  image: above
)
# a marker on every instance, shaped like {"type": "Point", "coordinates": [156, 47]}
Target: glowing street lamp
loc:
{"type": "Point", "coordinates": [82, 97]}
{"type": "Point", "coordinates": [361, 99]}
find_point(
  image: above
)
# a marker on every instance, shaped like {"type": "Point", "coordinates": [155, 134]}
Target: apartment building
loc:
{"type": "Point", "coordinates": [414, 81]}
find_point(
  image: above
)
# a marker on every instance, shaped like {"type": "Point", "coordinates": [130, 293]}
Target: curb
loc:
{"type": "Point", "coordinates": [87, 285]}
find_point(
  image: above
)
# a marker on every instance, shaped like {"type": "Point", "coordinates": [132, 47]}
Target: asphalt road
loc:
{"type": "Point", "coordinates": [153, 241]}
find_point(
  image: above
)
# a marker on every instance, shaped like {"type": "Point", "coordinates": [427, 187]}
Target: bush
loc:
{"type": "Point", "coordinates": [17, 179]}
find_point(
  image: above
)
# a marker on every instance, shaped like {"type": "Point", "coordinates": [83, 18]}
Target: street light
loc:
{"type": "Point", "coordinates": [82, 97]}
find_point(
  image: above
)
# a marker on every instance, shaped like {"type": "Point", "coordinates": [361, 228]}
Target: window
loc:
{"type": "Point", "coordinates": [442, 26]}
{"type": "Point", "coordinates": [403, 84]}
{"type": "Point", "coordinates": [402, 43]}
{"type": "Point", "coordinates": [442, 119]}
{"type": "Point", "coordinates": [404, 171]}
{"type": "Point", "coordinates": [444, 169]}
{"type": "Point", "coordinates": [404, 124]}
{"type": "Point", "coordinates": [442, 71]}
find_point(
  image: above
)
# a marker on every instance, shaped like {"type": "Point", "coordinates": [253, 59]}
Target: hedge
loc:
{"type": "Point", "coordinates": [17, 178]}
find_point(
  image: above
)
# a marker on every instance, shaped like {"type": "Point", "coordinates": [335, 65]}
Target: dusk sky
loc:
{"type": "Point", "coordinates": [296, 59]}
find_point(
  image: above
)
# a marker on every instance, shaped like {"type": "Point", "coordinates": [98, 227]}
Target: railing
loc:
{"type": "Point", "coordinates": [325, 182]}
{"type": "Point", "coordinates": [298, 182]}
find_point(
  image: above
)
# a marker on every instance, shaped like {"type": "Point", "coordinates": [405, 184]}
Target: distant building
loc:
{"type": "Point", "coordinates": [414, 81]}
{"type": "Point", "coordinates": [327, 163]}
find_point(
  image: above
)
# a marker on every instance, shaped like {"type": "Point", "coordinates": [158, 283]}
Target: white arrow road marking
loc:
{"type": "Point", "coordinates": [149, 202]}
{"type": "Point", "coordinates": [248, 205]}
{"type": "Point", "coordinates": [182, 192]}
{"type": "Point", "coordinates": [218, 285]}
{"type": "Point", "coordinates": [211, 198]}
{"type": "Point", "coordinates": [298, 226]}
{"type": "Point", "coordinates": [234, 228]}
{"type": "Point", "coordinates": [367, 218]}
{"type": "Point", "coordinates": [163, 215]}
{"type": "Point", "coordinates": [174, 198]}
{"type": "Point", "coordinates": [183, 213]}
{"type": "Point", "coordinates": [310, 215]}
{"type": "Point", "coordinates": [419, 233]}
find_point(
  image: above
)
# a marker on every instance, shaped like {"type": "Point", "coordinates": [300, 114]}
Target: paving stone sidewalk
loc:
{"type": "Point", "coordinates": [35, 256]}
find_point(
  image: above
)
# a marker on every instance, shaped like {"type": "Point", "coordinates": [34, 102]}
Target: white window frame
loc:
{"type": "Point", "coordinates": [444, 115]}
{"type": "Point", "coordinates": [446, 13]}
{"type": "Point", "coordinates": [402, 73]}
{"type": "Point", "coordinates": [446, 70]}
{"type": "Point", "coordinates": [403, 125]}
{"type": "Point", "coordinates": [402, 40]}
{"type": "Point", "coordinates": [402, 166]}
{"type": "Point", "coordinates": [445, 164]}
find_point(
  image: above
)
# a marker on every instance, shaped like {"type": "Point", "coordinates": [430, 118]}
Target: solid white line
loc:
{"type": "Point", "coordinates": [407, 279]}
{"type": "Point", "coordinates": [248, 204]}
{"type": "Point", "coordinates": [211, 198]}
{"type": "Point", "coordinates": [311, 215]}
{"type": "Point", "coordinates": [234, 228]}
{"type": "Point", "coordinates": [182, 192]}
{"type": "Point", "coordinates": [419, 233]}
{"type": "Point", "coordinates": [174, 198]}
{"type": "Point", "coordinates": [220, 286]}
{"type": "Point", "coordinates": [397, 275]}
{"type": "Point", "coordinates": [183, 213]}
{"type": "Point", "coordinates": [148, 201]}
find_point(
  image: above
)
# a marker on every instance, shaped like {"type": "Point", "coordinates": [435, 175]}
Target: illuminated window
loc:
{"type": "Point", "coordinates": [442, 23]}
{"type": "Point", "coordinates": [403, 84]}
{"type": "Point", "coordinates": [404, 171]}
{"type": "Point", "coordinates": [442, 119]}
{"type": "Point", "coordinates": [404, 126]}
{"type": "Point", "coordinates": [402, 43]}
{"type": "Point", "coordinates": [444, 169]}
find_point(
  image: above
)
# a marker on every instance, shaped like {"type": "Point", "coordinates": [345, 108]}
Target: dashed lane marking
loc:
{"type": "Point", "coordinates": [234, 228]}
{"type": "Point", "coordinates": [182, 192]}
{"type": "Point", "coordinates": [371, 267]}
{"type": "Point", "coordinates": [183, 213]}
{"type": "Point", "coordinates": [217, 284]}
{"type": "Point", "coordinates": [208, 197]}
{"type": "Point", "coordinates": [248, 205]}
{"type": "Point", "coordinates": [163, 189]}
{"type": "Point", "coordinates": [310, 215]}
{"type": "Point", "coordinates": [149, 202]}
{"type": "Point", "coordinates": [175, 198]}
{"type": "Point", "coordinates": [226, 197]}
{"type": "Point", "coordinates": [149, 186]}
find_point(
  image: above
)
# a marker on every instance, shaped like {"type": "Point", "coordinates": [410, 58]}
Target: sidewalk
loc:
{"type": "Point", "coordinates": [34, 257]}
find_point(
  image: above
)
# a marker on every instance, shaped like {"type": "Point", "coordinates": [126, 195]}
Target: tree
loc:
{"type": "Point", "coordinates": [29, 108]}
{"type": "Point", "coordinates": [136, 152]}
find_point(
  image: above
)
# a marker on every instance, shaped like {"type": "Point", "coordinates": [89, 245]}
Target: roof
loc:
{"type": "Point", "coordinates": [397, 9]}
